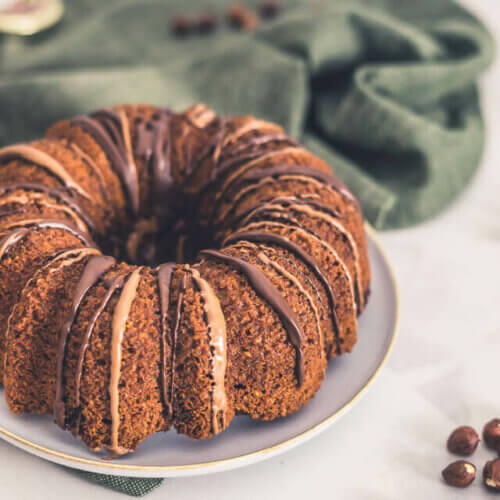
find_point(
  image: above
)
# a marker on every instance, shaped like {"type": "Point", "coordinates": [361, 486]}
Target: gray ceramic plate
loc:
{"type": "Point", "coordinates": [246, 441]}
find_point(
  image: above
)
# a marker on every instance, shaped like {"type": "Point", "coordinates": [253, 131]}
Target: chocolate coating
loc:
{"type": "Point", "coordinates": [94, 269]}
{"type": "Point", "coordinates": [263, 287]}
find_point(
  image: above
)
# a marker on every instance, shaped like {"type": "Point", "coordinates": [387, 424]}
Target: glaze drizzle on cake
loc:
{"type": "Point", "coordinates": [236, 266]}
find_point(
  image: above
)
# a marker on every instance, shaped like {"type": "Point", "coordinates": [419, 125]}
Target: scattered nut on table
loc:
{"type": "Point", "coordinates": [463, 441]}
{"type": "Point", "coordinates": [491, 474]}
{"type": "Point", "coordinates": [491, 434]}
{"type": "Point", "coordinates": [459, 474]}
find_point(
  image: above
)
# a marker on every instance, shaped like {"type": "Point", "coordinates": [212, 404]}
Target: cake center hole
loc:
{"type": "Point", "coordinates": [148, 244]}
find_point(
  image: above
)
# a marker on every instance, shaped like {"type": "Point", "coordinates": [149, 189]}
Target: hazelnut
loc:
{"type": "Point", "coordinates": [269, 8]}
{"type": "Point", "coordinates": [242, 17]}
{"type": "Point", "coordinates": [207, 23]}
{"type": "Point", "coordinates": [491, 434]}
{"type": "Point", "coordinates": [491, 474]}
{"type": "Point", "coordinates": [181, 25]}
{"type": "Point", "coordinates": [463, 441]}
{"type": "Point", "coordinates": [459, 474]}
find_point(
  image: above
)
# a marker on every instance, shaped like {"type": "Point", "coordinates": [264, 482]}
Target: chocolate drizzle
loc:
{"type": "Point", "coordinates": [227, 153]}
{"type": "Point", "coordinates": [118, 327]}
{"type": "Point", "coordinates": [312, 209]}
{"type": "Point", "coordinates": [247, 152]}
{"type": "Point", "coordinates": [212, 151]}
{"type": "Point", "coordinates": [225, 158]}
{"type": "Point", "coordinates": [254, 177]}
{"type": "Point", "coordinates": [249, 126]}
{"type": "Point", "coordinates": [294, 280]}
{"type": "Point", "coordinates": [10, 239]}
{"type": "Point", "coordinates": [85, 158]}
{"type": "Point", "coordinates": [216, 326]}
{"type": "Point", "coordinates": [293, 170]}
{"type": "Point", "coordinates": [287, 223]}
{"type": "Point", "coordinates": [285, 201]}
{"type": "Point", "coordinates": [105, 135]}
{"type": "Point", "coordinates": [165, 272]}
{"type": "Point", "coordinates": [218, 142]}
{"type": "Point", "coordinates": [175, 333]}
{"type": "Point", "coordinates": [250, 166]}
{"type": "Point", "coordinates": [62, 259]}
{"type": "Point", "coordinates": [94, 269]}
{"type": "Point", "coordinates": [114, 285]}
{"type": "Point", "coordinates": [57, 194]}
{"type": "Point", "coordinates": [153, 145]}
{"type": "Point", "coordinates": [249, 149]}
{"type": "Point", "coordinates": [44, 160]}
{"type": "Point", "coordinates": [268, 237]}
{"type": "Point", "coordinates": [9, 213]}
{"type": "Point", "coordinates": [52, 224]}
{"type": "Point", "coordinates": [112, 122]}
{"type": "Point", "coordinates": [264, 287]}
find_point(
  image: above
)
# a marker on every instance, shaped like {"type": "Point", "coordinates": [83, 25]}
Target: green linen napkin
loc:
{"type": "Point", "coordinates": [384, 90]}
{"type": "Point", "coordinates": [132, 486]}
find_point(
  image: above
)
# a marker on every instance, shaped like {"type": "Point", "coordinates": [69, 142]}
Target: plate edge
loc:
{"type": "Point", "coordinates": [226, 463]}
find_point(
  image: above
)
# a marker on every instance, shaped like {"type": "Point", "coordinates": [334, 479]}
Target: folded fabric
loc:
{"type": "Point", "coordinates": [132, 486]}
{"type": "Point", "coordinates": [384, 90]}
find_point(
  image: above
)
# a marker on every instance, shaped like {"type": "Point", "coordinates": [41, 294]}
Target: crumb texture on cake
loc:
{"type": "Point", "coordinates": [167, 270]}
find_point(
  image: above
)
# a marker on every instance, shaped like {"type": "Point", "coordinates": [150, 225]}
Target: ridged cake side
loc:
{"type": "Point", "coordinates": [118, 351]}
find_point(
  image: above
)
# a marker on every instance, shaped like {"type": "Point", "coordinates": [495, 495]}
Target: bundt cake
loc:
{"type": "Point", "coordinates": [162, 269]}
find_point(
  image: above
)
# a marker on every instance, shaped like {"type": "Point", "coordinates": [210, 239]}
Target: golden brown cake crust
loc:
{"type": "Point", "coordinates": [112, 316]}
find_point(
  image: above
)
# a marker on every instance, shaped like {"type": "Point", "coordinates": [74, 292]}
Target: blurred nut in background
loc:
{"type": "Point", "coordinates": [269, 9]}
{"type": "Point", "coordinates": [181, 25]}
{"type": "Point", "coordinates": [241, 17]}
{"type": "Point", "coordinates": [207, 23]}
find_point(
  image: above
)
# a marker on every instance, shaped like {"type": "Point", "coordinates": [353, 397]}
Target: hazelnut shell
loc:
{"type": "Point", "coordinates": [459, 474]}
{"type": "Point", "coordinates": [463, 441]}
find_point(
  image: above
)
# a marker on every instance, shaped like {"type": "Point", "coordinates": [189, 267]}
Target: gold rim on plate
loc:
{"type": "Point", "coordinates": [289, 443]}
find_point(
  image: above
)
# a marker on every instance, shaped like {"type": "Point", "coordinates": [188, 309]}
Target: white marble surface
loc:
{"type": "Point", "coordinates": [444, 370]}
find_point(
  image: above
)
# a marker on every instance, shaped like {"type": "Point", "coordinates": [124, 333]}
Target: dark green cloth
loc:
{"type": "Point", "coordinates": [384, 90]}
{"type": "Point", "coordinates": [132, 486]}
